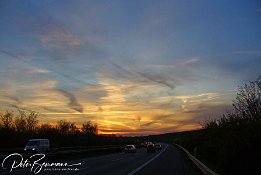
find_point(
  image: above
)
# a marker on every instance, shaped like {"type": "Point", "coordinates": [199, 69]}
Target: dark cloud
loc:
{"type": "Point", "coordinates": [17, 103]}
{"type": "Point", "coordinates": [159, 78]}
{"type": "Point", "coordinates": [100, 109]}
{"type": "Point", "coordinates": [55, 110]}
{"type": "Point", "coordinates": [163, 117]}
{"type": "Point", "coordinates": [14, 98]}
{"type": "Point", "coordinates": [19, 108]}
{"type": "Point", "coordinates": [73, 102]}
{"type": "Point", "coordinates": [144, 77]}
{"type": "Point", "coordinates": [149, 123]}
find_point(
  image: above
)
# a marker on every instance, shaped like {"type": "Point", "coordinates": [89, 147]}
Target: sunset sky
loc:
{"type": "Point", "coordinates": [134, 67]}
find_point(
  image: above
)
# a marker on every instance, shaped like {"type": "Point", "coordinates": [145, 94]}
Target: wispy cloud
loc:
{"type": "Point", "coordinates": [159, 79]}
{"type": "Point", "coordinates": [60, 39]}
{"type": "Point", "coordinates": [187, 62]}
{"type": "Point", "coordinates": [149, 124]}
{"type": "Point", "coordinates": [140, 77]}
{"type": "Point", "coordinates": [56, 110]}
{"type": "Point", "coordinates": [40, 70]}
{"type": "Point", "coordinates": [73, 102]}
{"type": "Point", "coordinates": [191, 61]}
{"type": "Point", "coordinates": [14, 98]}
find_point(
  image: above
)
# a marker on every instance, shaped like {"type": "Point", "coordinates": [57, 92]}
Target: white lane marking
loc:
{"type": "Point", "coordinates": [146, 163]}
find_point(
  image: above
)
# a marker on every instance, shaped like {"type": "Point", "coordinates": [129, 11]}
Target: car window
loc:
{"type": "Point", "coordinates": [33, 143]}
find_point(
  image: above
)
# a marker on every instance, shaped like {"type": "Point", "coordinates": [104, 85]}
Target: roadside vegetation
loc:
{"type": "Point", "coordinates": [231, 144]}
{"type": "Point", "coordinates": [16, 128]}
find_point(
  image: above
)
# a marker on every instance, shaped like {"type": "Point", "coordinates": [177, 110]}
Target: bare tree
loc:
{"type": "Point", "coordinates": [31, 121]}
{"type": "Point", "coordinates": [63, 127]}
{"type": "Point", "coordinates": [89, 128]}
{"type": "Point", "coordinates": [7, 119]}
{"type": "Point", "coordinates": [20, 122]}
{"type": "Point", "coordinates": [73, 129]}
{"type": "Point", "coordinates": [248, 101]}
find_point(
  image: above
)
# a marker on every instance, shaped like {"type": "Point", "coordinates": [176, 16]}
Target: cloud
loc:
{"type": "Point", "coordinates": [159, 79]}
{"type": "Point", "coordinates": [14, 98]}
{"type": "Point", "coordinates": [73, 102]}
{"type": "Point", "coordinates": [19, 107]}
{"type": "Point", "coordinates": [149, 124]}
{"type": "Point", "coordinates": [100, 109]}
{"type": "Point", "coordinates": [16, 104]}
{"type": "Point", "coordinates": [58, 38]}
{"type": "Point", "coordinates": [140, 77]}
{"type": "Point", "coordinates": [54, 110]}
{"type": "Point", "coordinates": [40, 70]}
{"type": "Point", "coordinates": [191, 61]}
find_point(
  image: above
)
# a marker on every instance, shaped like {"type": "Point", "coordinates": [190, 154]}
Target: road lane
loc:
{"type": "Point", "coordinates": [169, 160]}
{"type": "Point", "coordinates": [118, 164]}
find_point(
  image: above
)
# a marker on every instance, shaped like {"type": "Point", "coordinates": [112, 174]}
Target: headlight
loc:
{"type": "Point", "coordinates": [33, 149]}
{"type": "Point", "coordinates": [24, 148]}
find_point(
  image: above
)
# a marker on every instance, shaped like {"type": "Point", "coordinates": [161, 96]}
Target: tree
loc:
{"type": "Point", "coordinates": [89, 128]}
{"type": "Point", "coordinates": [247, 104]}
{"type": "Point", "coordinates": [20, 122]}
{"type": "Point", "coordinates": [73, 129]}
{"type": "Point", "coordinates": [7, 119]}
{"type": "Point", "coordinates": [31, 121]}
{"type": "Point", "coordinates": [63, 127]}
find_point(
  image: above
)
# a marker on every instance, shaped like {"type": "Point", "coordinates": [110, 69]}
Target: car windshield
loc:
{"type": "Point", "coordinates": [32, 143]}
{"type": "Point", "coordinates": [129, 147]}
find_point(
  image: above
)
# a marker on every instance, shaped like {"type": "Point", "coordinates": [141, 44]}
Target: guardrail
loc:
{"type": "Point", "coordinates": [203, 168]}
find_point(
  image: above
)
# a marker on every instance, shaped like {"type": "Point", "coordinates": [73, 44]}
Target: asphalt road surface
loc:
{"type": "Point", "coordinates": [168, 161]}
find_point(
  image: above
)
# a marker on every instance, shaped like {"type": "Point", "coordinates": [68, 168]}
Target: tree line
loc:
{"type": "Point", "coordinates": [231, 144]}
{"type": "Point", "coordinates": [17, 127]}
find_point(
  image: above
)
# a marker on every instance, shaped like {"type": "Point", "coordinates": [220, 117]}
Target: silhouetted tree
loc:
{"type": "Point", "coordinates": [248, 101]}
{"type": "Point", "coordinates": [47, 130]}
{"type": "Point", "coordinates": [7, 119]}
{"type": "Point", "coordinates": [73, 129]}
{"type": "Point", "coordinates": [89, 128]}
{"type": "Point", "coordinates": [63, 127]}
{"type": "Point", "coordinates": [31, 121]}
{"type": "Point", "coordinates": [20, 122]}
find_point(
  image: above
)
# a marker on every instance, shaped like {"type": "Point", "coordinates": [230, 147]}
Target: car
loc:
{"type": "Point", "coordinates": [38, 146]}
{"type": "Point", "coordinates": [151, 148]}
{"type": "Point", "coordinates": [158, 146]}
{"type": "Point", "coordinates": [130, 149]}
{"type": "Point", "coordinates": [142, 144]}
{"type": "Point", "coordinates": [147, 143]}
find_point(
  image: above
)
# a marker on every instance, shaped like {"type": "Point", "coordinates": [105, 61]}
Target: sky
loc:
{"type": "Point", "coordinates": [133, 67]}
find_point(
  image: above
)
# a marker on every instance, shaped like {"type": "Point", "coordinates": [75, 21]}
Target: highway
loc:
{"type": "Point", "coordinates": [168, 161]}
